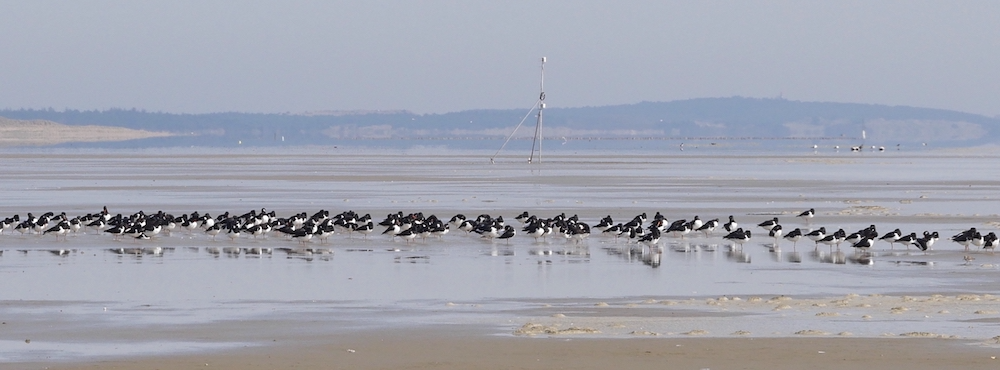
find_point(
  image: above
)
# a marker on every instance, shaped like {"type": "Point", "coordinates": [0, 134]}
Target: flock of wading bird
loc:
{"type": "Point", "coordinates": [321, 226]}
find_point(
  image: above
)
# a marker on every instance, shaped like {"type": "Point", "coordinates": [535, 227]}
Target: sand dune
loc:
{"type": "Point", "coordinates": [40, 132]}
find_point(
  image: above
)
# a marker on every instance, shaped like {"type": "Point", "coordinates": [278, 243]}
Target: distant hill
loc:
{"type": "Point", "coordinates": [694, 119]}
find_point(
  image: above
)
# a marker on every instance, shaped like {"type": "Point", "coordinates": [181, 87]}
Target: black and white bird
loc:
{"type": "Point", "coordinates": [731, 225]}
{"type": "Point", "coordinates": [392, 230]}
{"type": "Point", "coordinates": [978, 240]}
{"type": "Point", "coordinates": [605, 223]}
{"type": "Point", "coordinates": [807, 214]}
{"type": "Point", "coordinates": [930, 238]}
{"type": "Point", "coordinates": [61, 229]}
{"type": "Point", "coordinates": [215, 229]}
{"type": "Point", "coordinates": [98, 225]}
{"type": "Point", "coordinates": [537, 230]}
{"type": "Point", "coordinates": [409, 234]}
{"type": "Point", "coordinates": [577, 232]}
{"type": "Point", "coordinates": [303, 235]}
{"type": "Point", "coordinates": [490, 230]}
{"type": "Point", "coordinates": [75, 225]}
{"type": "Point", "coordinates": [457, 220]}
{"type": "Point", "coordinates": [468, 226]}
{"type": "Point", "coordinates": [966, 237]}
{"type": "Point", "coordinates": [523, 217]}
{"type": "Point", "coordinates": [635, 233]}
{"type": "Point", "coordinates": [775, 233]}
{"type": "Point", "coordinates": [696, 223]}
{"type": "Point", "coordinates": [23, 227]}
{"type": "Point", "coordinates": [863, 244]}
{"type": "Point", "coordinates": [739, 236]}
{"type": "Point", "coordinates": [259, 230]}
{"type": "Point", "coordinates": [508, 232]}
{"type": "Point", "coordinates": [8, 222]}
{"type": "Point", "coordinates": [651, 238]}
{"type": "Point", "coordinates": [990, 241]}
{"type": "Point", "coordinates": [767, 225]}
{"type": "Point", "coordinates": [365, 229]}
{"type": "Point", "coordinates": [659, 224]}
{"type": "Point", "coordinates": [834, 239]}
{"type": "Point", "coordinates": [907, 240]}
{"type": "Point", "coordinates": [679, 228]}
{"type": "Point", "coordinates": [817, 235]}
{"type": "Point", "coordinates": [708, 227]}
{"type": "Point", "coordinates": [117, 231]}
{"type": "Point", "coordinates": [892, 237]}
{"type": "Point", "coordinates": [794, 236]}
{"type": "Point", "coordinates": [41, 224]}
{"type": "Point", "coordinates": [323, 233]}
{"type": "Point", "coordinates": [867, 233]}
{"type": "Point", "coordinates": [234, 232]}
{"type": "Point", "coordinates": [924, 243]}
{"type": "Point", "coordinates": [615, 230]}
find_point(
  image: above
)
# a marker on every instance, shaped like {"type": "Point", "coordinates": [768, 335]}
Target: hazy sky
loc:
{"type": "Point", "coordinates": [443, 56]}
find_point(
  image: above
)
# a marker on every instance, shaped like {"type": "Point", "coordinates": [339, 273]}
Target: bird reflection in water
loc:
{"type": "Point", "coordinates": [795, 257]}
{"type": "Point", "coordinates": [863, 259]}
{"type": "Point", "coordinates": [648, 255]}
{"type": "Point", "coordinates": [508, 252]}
{"type": "Point", "coordinates": [652, 259]}
{"type": "Point", "coordinates": [835, 257]}
{"type": "Point", "coordinates": [738, 256]}
{"type": "Point", "coordinates": [682, 247]}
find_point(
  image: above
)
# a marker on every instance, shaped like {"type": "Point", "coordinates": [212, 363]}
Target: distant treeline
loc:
{"type": "Point", "coordinates": [707, 117]}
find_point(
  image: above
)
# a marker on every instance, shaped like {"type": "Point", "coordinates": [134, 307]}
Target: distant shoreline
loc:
{"type": "Point", "coordinates": [731, 119]}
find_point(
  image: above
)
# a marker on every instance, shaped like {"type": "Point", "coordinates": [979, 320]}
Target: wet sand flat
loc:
{"type": "Point", "coordinates": [435, 349]}
{"type": "Point", "coordinates": [463, 301]}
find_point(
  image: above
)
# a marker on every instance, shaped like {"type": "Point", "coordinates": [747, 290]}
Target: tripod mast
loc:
{"type": "Point", "coordinates": [537, 140]}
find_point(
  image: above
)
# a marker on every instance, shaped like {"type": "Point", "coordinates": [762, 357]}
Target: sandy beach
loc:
{"type": "Point", "coordinates": [437, 349]}
{"type": "Point", "coordinates": [15, 133]}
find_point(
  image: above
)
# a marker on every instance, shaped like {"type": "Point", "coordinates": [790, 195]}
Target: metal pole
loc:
{"type": "Point", "coordinates": [538, 124]}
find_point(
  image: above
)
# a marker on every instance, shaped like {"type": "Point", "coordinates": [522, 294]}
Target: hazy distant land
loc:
{"type": "Point", "coordinates": [706, 119]}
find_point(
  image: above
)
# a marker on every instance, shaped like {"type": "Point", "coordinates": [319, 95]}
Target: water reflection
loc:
{"type": "Point", "coordinates": [572, 250]}
{"type": "Point", "coordinates": [863, 258]}
{"type": "Point", "coordinates": [140, 251]}
{"type": "Point", "coordinates": [411, 259]}
{"type": "Point", "coordinates": [693, 252]}
{"type": "Point", "coordinates": [505, 252]}
{"type": "Point", "coordinates": [914, 263]}
{"type": "Point", "coordinates": [795, 257]}
{"type": "Point", "coordinates": [682, 247]}
{"type": "Point", "coordinates": [653, 259]}
{"type": "Point", "coordinates": [738, 255]}
{"type": "Point", "coordinates": [836, 257]}
{"type": "Point", "coordinates": [305, 254]}
{"type": "Point", "coordinates": [258, 252]}
{"type": "Point", "coordinates": [648, 255]}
